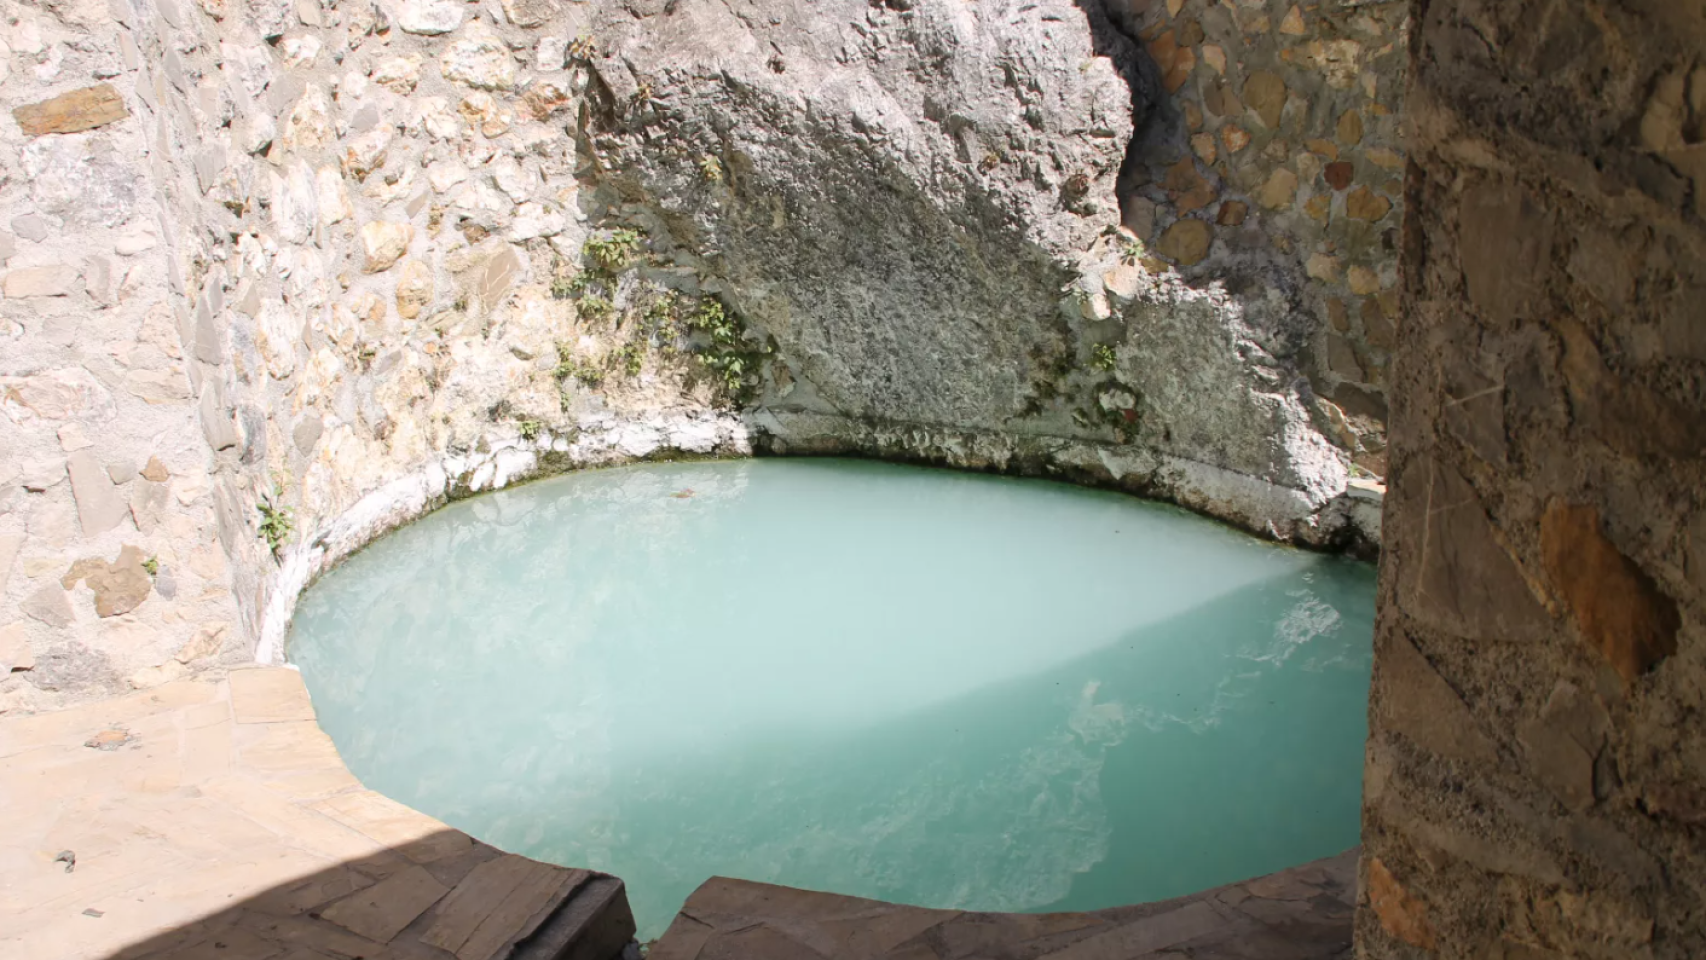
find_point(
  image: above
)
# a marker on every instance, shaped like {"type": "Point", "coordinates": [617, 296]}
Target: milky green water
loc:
{"type": "Point", "coordinates": [921, 686]}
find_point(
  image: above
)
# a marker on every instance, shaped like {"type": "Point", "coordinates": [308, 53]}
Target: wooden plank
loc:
{"type": "Point", "coordinates": [381, 911]}
{"type": "Point", "coordinates": [72, 112]}
{"type": "Point", "coordinates": [479, 893]}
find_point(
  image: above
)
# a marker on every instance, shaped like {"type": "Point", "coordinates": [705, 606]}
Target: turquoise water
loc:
{"type": "Point", "coordinates": [929, 687]}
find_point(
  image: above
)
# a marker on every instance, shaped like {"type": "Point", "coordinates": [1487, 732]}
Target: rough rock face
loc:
{"type": "Point", "coordinates": [914, 209]}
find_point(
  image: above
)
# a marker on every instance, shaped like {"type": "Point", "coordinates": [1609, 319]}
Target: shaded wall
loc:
{"type": "Point", "coordinates": [1536, 780]}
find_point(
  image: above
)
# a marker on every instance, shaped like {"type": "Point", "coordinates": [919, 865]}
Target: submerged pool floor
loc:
{"type": "Point", "coordinates": [928, 687]}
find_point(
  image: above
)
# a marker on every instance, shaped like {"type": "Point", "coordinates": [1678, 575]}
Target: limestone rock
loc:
{"type": "Point", "coordinates": [480, 59]}
{"type": "Point", "coordinates": [15, 651]}
{"type": "Point", "coordinates": [430, 18]}
{"type": "Point", "coordinates": [148, 503]}
{"type": "Point", "coordinates": [49, 605]}
{"type": "Point", "coordinates": [331, 197]}
{"type": "Point", "coordinates": [80, 179]}
{"type": "Point", "coordinates": [294, 210]}
{"type": "Point", "coordinates": [99, 506]}
{"type": "Point", "coordinates": [529, 13]}
{"type": "Point", "coordinates": [72, 112]}
{"type": "Point", "coordinates": [10, 543]}
{"type": "Point", "coordinates": [60, 281]}
{"type": "Point", "coordinates": [399, 74]}
{"type": "Point", "coordinates": [309, 126]}
{"type": "Point", "coordinates": [120, 585]}
{"type": "Point", "coordinates": [414, 289]}
{"type": "Point", "coordinates": [1617, 606]}
{"type": "Point", "coordinates": [208, 641]}
{"type": "Point", "coordinates": [534, 220]}
{"type": "Point", "coordinates": [383, 243]}
{"type": "Point", "coordinates": [366, 153]}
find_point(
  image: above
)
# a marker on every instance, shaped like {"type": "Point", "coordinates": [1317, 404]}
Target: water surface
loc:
{"type": "Point", "coordinates": [928, 687]}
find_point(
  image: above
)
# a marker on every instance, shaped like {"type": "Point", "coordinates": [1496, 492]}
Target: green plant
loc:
{"type": "Point", "coordinates": [633, 359]}
{"type": "Point", "coordinates": [725, 355]}
{"type": "Point", "coordinates": [661, 320]}
{"type": "Point", "coordinates": [711, 169]}
{"type": "Point", "coordinates": [596, 308]}
{"type": "Point", "coordinates": [562, 288]}
{"type": "Point", "coordinates": [277, 521]}
{"type": "Point", "coordinates": [1132, 252]}
{"type": "Point", "coordinates": [571, 366]}
{"type": "Point", "coordinates": [612, 253]}
{"type": "Point", "coordinates": [582, 47]}
{"type": "Point", "coordinates": [529, 428]}
{"type": "Point", "coordinates": [1103, 357]}
{"type": "Point", "coordinates": [152, 565]}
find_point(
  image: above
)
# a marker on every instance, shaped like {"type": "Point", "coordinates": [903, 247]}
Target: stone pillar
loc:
{"type": "Point", "coordinates": [1536, 780]}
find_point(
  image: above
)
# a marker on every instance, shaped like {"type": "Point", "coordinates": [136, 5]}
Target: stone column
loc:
{"type": "Point", "coordinates": [1536, 780]}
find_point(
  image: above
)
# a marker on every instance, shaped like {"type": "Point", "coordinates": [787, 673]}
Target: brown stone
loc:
{"type": "Point", "coordinates": [1232, 213]}
{"type": "Point", "coordinates": [1235, 137]}
{"type": "Point", "coordinates": [1401, 914]}
{"type": "Point", "coordinates": [1377, 330]}
{"type": "Point", "coordinates": [1365, 204]}
{"type": "Point", "coordinates": [1506, 243]}
{"type": "Point", "coordinates": [1325, 148]}
{"type": "Point", "coordinates": [1341, 358]}
{"type": "Point", "coordinates": [1174, 61]}
{"type": "Point", "coordinates": [1617, 607]}
{"type": "Point", "coordinates": [1462, 579]}
{"type": "Point", "coordinates": [1292, 24]}
{"type": "Point", "coordinates": [156, 471]}
{"type": "Point", "coordinates": [49, 605]}
{"type": "Point", "coordinates": [1350, 128]}
{"type": "Point", "coordinates": [1337, 315]}
{"type": "Point", "coordinates": [1414, 700]}
{"type": "Point", "coordinates": [1186, 242]}
{"type": "Point", "coordinates": [1340, 174]}
{"type": "Point", "coordinates": [1318, 207]}
{"type": "Point", "coordinates": [72, 112]}
{"type": "Point", "coordinates": [1279, 190]}
{"type": "Point", "coordinates": [1189, 189]}
{"type": "Point", "coordinates": [120, 585]}
{"type": "Point", "coordinates": [1221, 100]}
{"type": "Point", "coordinates": [1264, 92]}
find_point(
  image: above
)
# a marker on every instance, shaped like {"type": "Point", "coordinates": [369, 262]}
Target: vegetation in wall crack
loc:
{"type": "Point", "coordinates": [595, 308]}
{"type": "Point", "coordinates": [731, 360]}
{"type": "Point", "coordinates": [579, 369]}
{"type": "Point", "coordinates": [277, 520]}
{"type": "Point", "coordinates": [529, 428]}
{"type": "Point", "coordinates": [1103, 357]}
{"type": "Point", "coordinates": [711, 169]}
{"type": "Point", "coordinates": [583, 47]}
{"type": "Point", "coordinates": [610, 254]}
{"type": "Point", "coordinates": [152, 565]}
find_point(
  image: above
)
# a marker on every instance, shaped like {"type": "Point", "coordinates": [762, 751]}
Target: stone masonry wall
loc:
{"type": "Point", "coordinates": [1276, 163]}
{"type": "Point", "coordinates": [282, 274]}
{"type": "Point", "coordinates": [111, 574]}
{"type": "Point", "coordinates": [1536, 779]}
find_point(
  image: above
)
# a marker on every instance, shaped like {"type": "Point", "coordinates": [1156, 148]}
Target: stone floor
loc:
{"type": "Point", "coordinates": [1299, 914]}
{"type": "Point", "coordinates": [213, 819]}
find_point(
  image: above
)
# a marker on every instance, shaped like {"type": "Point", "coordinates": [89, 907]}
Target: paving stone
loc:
{"type": "Point", "coordinates": [381, 911]}
{"type": "Point", "coordinates": [415, 835]}
{"type": "Point", "coordinates": [269, 696]}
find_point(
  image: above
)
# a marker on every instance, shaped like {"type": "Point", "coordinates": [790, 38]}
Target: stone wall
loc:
{"type": "Point", "coordinates": [1536, 783]}
{"type": "Point", "coordinates": [111, 574]}
{"type": "Point", "coordinates": [333, 263]}
{"type": "Point", "coordinates": [1275, 164]}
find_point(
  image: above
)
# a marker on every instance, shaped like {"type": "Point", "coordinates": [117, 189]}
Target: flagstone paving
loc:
{"type": "Point", "coordinates": [213, 818]}
{"type": "Point", "coordinates": [1299, 914]}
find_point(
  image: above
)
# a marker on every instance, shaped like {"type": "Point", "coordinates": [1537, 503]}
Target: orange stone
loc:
{"type": "Point", "coordinates": [1365, 204]}
{"type": "Point", "coordinates": [1340, 174]}
{"type": "Point", "coordinates": [1617, 606]}
{"type": "Point", "coordinates": [1401, 914]}
{"type": "Point", "coordinates": [1232, 213]}
{"type": "Point", "coordinates": [1236, 138]}
{"type": "Point", "coordinates": [72, 112]}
